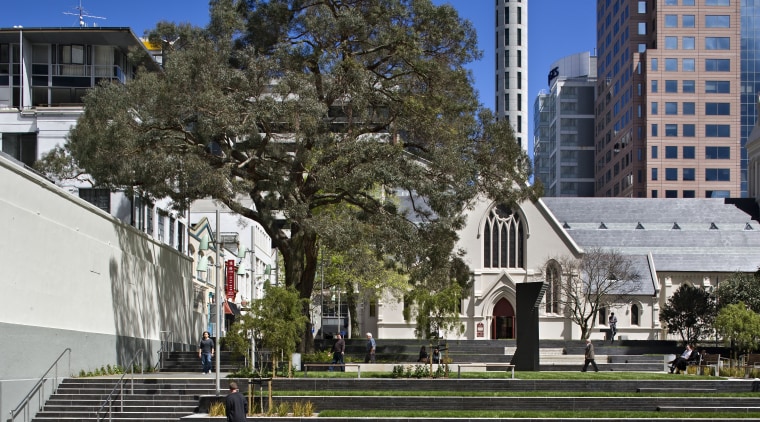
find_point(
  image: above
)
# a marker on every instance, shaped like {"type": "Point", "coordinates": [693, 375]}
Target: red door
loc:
{"type": "Point", "coordinates": [503, 323]}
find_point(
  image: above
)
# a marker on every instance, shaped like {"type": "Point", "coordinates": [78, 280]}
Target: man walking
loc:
{"type": "Point", "coordinates": [370, 357]}
{"type": "Point", "coordinates": [206, 352]}
{"type": "Point", "coordinates": [613, 326]}
{"type": "Point", "coordinates": [235, 405]}
{"type": "Point", "coordinates": [589, 355]}
{"type": "Point", "coordinates": [339, 350]}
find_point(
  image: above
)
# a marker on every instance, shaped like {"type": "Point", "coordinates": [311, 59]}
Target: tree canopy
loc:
{"type": "Point", "coordinates": [690, 312]}
{"type": "Point", "coordinates": [286, 110]}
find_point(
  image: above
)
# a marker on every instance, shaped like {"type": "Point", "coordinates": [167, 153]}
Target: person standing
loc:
{"type": "Point", "coordinates": [423, 358]}
{"type": "Point", "coordinates": [613, 326]}
{"type": "Point", "coordinates": [339, 351]}
{"type": "Point", "coordinates": [206, 352]}
{"type": "Point", "coordinates": [235, 405]}
{"type": "Point", "coordinates": [370, 357]}
{"type": "Point", "coordinates": [589, 355]}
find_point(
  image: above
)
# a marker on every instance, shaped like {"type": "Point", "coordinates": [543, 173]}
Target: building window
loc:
{"type": "Point", "coordinates": [717, 43]}
{"type": "Point", "coordinates": [688, 174]}
{"type": "Point", "coordinates": [671, 86]}
{"type": "Point", "coordinates": [717, 131]}
{"type": "Point", "coordinates": [689, 108]}
{"type": "Point", "coordinates": [654, 129]}
{"type": "Point", "coordinates": [688, 86]}
{"type": "Point", "coordinates": [654, 85]}
{"type": "Point", "coordinates": [21, 146]}
{"type": "Point", "coordinates": [671, 173]}
{"type": "Point", "coordinates": [689, 152]}
{"type": "Point", "coordinates": [671, 151]}
{"type": "Point", "coordinates": [718, 153]}
{"type": "Point", "coordinates": [654, 173]}
{"type": "Point", "coordinates": [654, 193]}
{"type": "Point", "coordinates": [519, 36]}
{"type": "Point", "coordinates": [634, 314]}
{"type": "Point", "coordinates": [718, 109]}
{"type": "Point", "coordinates": [671, 108]}
{"type": "Point", "coordinates": [671, 129]}
{"type": "Point", "coordinates": [688, 43]}
{"type": "Point", "coordinates": [553, 290]}
{"type": "Point", "coordinates": [642, 6]}
{"type": "Point", "coordinates": [180, 237]}
{"type": "Point", "coordinates": [149, 219]}
{"type": "Point", "coordinates": [689, 131]}
{"type": "Point", "coordinates": [717, 21]}
{"type": "Point", "coordinates": [503, 239]}
{"type": "Point", "coordinates": [642, 28]}
{"type": "Point", "coordinates": [653, 65]}
{"type": "Point", "coordinates": [654, 108]}
{"type": "Point", "coordinates": [718, 175]}
{"type": "Point", "coordinates": [717, 2]}
{"type": "Point", "coordinates": [717, 65]}
{"type": "Point", "coordinates": [671, 65]}
{"type": "Point", "coordinates": [687, 2]}
{"type": "Point", "coordinates": [687, 21]}
{"type": "Point", "coordinates": [689, 65]}
{"type": "Point", "coordinates": [689, 194]}
{"type": "Point", "coordinates": [161, 217]}
{"type": "Point", "coordinates": [519, 58]}
{"type": "Point", "coordinates": [671, 193]}
{"type": "Point", "coordinates": [671, 43]}
{"type": "Point", "coordinates": [717, 194]}
{"type": "Point", "coordinates": [101, 198]}
{"type": "Point", "coordinates": [717, 87]}
{"type": "Point", "coordinates": [671, 21]}
{"type": "Point", "coordinates": [654, 151]}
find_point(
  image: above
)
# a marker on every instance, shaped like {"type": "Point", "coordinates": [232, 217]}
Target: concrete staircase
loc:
{"type": "Point", "coordinates": [154, 399]}
{"type": "Point", "coordinates": [189, 362]}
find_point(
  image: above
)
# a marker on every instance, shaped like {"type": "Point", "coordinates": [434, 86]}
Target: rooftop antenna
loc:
{"type": "Point", "coordinates": [82, 14]}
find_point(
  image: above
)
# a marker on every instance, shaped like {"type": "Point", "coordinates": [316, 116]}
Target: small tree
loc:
{"type": "Point", "coordinates": [599, 278]}
{"type": "Point", "coordinates": [739, 325]}
{"type": "Point", "coordinates": [278, 319]}
{"type": "Point", "coordinates": [690, 312]}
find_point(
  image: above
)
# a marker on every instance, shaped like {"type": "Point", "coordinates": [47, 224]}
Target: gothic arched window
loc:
{"type": "Point", "coordinates": [553, 280]}
{"type": "Point", "coordinates": [504, 239]}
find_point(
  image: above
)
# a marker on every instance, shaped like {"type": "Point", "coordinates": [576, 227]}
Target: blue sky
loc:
{"type": "Point", "coordinates": [557, 28]}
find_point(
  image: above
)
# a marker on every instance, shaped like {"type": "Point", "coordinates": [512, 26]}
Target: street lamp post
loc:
{"type": "Point", "coordinates": [218, 304]}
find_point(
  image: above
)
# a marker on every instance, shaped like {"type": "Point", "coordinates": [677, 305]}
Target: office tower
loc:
{"type": "Point", "coordinates": [512, 66]}
{"type": "Point", "coordinates": [564, 127]}
{"type": "Point", "coordinates": [669, 111]}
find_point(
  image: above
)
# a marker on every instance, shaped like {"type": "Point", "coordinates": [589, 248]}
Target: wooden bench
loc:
{"type": "Point", "coordinates": [331, 365]}
{"type": "Point", "coordinates": [508, 367]}
{"type": "Point", "coordinates": [750, 361]}
{"type": "Point", "coordinates": [709, 360]}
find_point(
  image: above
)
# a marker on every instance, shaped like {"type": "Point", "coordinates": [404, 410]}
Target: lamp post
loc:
{"type": "Point", "coordinates": [218, 304]}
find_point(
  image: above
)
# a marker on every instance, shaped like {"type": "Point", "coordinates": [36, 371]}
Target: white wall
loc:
{"type": "Point", "coordinates": [74, 276]}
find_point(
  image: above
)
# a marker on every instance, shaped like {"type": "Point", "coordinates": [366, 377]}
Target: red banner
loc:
{"type": "Point", "coordinates": [229, 285]}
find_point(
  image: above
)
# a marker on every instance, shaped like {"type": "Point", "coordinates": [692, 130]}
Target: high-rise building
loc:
{"type": "Point", "coordinates": [512, 66]}
{"type": "Point", "coordinates": [564, 127]}
{"type": "Point", "coordinates": [669, 110]}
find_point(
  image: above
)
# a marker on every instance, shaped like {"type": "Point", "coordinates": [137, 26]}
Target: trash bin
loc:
{"type": "Point", "coordinates": [295, 359]}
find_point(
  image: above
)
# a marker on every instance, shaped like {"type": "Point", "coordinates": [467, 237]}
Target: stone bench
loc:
{"type": "Point", "coordinates": [674, 390]}
{"type": "Point", "coordinates": [484, 367]}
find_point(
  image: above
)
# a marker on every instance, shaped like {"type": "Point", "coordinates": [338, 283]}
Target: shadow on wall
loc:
{"type": "Point", "coordinates": [153, 300]}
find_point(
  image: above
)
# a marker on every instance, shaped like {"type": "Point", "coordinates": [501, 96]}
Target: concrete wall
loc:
{"type": "Point", "coordinates": [76, 277]}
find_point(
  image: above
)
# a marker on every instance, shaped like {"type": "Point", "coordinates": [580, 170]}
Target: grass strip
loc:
{"type": "Point", "coordinates": [533, 414]}
{"type": "Point", "coordinates": [418, 393]}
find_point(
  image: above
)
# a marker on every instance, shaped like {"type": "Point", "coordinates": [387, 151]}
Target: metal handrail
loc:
{"type": "Point", "coordinates": [164, 348]}
{"type": "Point", "coordinates": [120, 385]}
{"type": "Point", "coordinates": [40, 385]}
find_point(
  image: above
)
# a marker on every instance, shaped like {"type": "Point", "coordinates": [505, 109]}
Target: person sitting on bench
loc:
{"type": "Point", "coordinates": [680, 363]}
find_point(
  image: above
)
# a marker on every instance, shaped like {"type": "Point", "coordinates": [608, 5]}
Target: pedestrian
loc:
{"type": "Point", "coordinates": [436, 355]}
{"type": "Point", "coordinates": [589, 355]}
{"type": "Point", "coordinates": [423, 355]}
{"type": "Point", "coordinates": [680, 363]}
{"type": "Point", "coordinates": [206, 352]}
{"type": "Point", "coordinates": [235, 405]}
{"type": "Point", "coordinates": [371, 345]}
{"type": "Point", "coordinates": [613, 326]}
{"type": "Point", "coordinates": [339, 351]}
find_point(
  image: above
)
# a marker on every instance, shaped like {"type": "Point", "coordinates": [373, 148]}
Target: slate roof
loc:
{"type": "Point", "coordinates": [682, 235]}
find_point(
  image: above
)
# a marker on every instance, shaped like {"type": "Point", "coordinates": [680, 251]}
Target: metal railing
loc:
{"type": "Point", "coordinates": [167, 345]}
{"type": "Point", "coordinates": [120, 387]}
{"type": "Point", "coordinates": [39, 390]}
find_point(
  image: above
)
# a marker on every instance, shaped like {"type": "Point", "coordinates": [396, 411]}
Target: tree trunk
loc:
{"type": "Point", "coordinates": [300, 256]}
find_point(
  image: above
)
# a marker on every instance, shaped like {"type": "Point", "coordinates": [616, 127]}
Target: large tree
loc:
{"type": "Point", "coordinates": [739, 287]}
{"type": "Point", "coordinates": [284, 109]}
{"type": "Point", "coordinates": [690, 312]}
{"type": "Point", "coordinates": [598, 278]}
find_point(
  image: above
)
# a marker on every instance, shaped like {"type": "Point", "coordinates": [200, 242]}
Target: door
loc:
{"type": "Point", "coordinates": [503, 320]}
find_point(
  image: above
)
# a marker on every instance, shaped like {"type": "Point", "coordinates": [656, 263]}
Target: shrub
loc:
{"type": "Point", "coordinates": [303, 409]}
{"type": "Point", "coordinates": [217, 409]}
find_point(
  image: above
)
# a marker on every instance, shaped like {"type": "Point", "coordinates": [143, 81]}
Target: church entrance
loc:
{"type": "Point", "coordinates": [503, 322]}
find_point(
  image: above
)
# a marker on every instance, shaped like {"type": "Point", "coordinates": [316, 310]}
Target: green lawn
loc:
{"type": "Point", "coordinates": [534, 414]}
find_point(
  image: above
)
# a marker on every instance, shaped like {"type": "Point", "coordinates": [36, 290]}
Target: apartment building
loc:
{"type": "Point", "coordinates": [564, 127]}
{"type": "Point", "coordinates": [512, 66]}
{"type": "Point", "coordinates": [671, 118]}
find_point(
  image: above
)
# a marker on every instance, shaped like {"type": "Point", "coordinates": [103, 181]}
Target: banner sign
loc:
{"type": "Point", "coordinates": [229, 285]}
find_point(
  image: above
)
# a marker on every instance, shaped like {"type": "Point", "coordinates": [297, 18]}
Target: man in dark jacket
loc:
{"type": "Point", "coordinates": [339, 350]}
{"type": "Point", "coordinates": [235, 405]}
{"type": "Point", "coordinates": [589, 355]}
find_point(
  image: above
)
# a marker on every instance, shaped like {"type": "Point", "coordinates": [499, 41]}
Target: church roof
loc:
{"type": "Point", "coordinates": [681, 235]}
